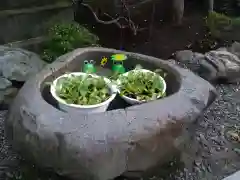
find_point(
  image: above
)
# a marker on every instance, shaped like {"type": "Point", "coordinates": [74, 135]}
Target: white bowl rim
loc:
{"type": "Point", "coordinates": [142, 70]}
{"type": "Point", "coordinates": [53, 91]}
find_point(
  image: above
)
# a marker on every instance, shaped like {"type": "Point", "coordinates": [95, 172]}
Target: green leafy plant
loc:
{"type": "Point", "coordinates": [216, 22]}
{"type": "Point", "coordinates": [65, 37]}
{"type": "Point", "coordinates": [83, 90]}
{"type": "Point", "coordinates": [143, 86]}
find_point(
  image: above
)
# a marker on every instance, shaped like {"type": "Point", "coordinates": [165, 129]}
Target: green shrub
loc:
{"type": "Point", "coordinates": [218, 23]}
{"type": "Point", "coordinates": [65, 37]}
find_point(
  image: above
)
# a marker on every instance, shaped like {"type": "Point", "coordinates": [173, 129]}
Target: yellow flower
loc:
{"type": "Point", "coordinates": [104, 61]}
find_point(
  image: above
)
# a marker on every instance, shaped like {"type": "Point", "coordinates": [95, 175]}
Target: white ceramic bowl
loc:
{"type": "Point", "coordinates": [97, 108]}
{"type": "Point", "coordinates": [133, 101]}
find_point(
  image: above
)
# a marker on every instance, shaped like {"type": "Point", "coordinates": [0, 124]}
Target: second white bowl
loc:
{"type": "Point", "coordinates": [133, 101]}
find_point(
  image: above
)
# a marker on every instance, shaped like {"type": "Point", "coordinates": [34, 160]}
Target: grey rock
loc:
{"type": "Point", "coordinates": [207, 71]}
{"type": "Point", "coordinates": [235, 49]}
{"type": "Point", "coordinates": [195, 64]}
{"type": "Point", "coordinates": [7, 92]}
{"type": "Point", "coordinates": [184, 56]}
{"type": "Point", "coordinates": [235, 176]}
{"type": "Point", "coordinates": [189, 59]}
{"type": "Point", "coordinates": [172, 61]}
{"type": "Point", "coordinates": [222, 49]}
{"type": "Point", "coordinates": [18, 64]}
{"type": "Point", "coordinates": [7, 96]}
{"type": "Point", "coordinates": [198, 56]}
{"type": "Point", "coordinates": [213, 65]}
{"type": "Point", "coordinates": [105, 145]}
{"type": "Point", "coordinates": [4, 83]}
{"type": "Point", "coordinates": [226, 64]}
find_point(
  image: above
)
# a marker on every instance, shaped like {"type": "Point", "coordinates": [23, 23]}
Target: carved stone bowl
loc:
{"type": "Point", "coordinates": [105, 145]}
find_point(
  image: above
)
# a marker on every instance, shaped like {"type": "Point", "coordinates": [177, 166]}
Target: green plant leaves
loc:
{"type": "Point", "coordinates": [217, 23]}
{"type": "Point", "coordinates": [142, 86]}
{"type": "Point", "coordinates": [65, 37]}
{"type": "Point", "coordinates": [83, 90]}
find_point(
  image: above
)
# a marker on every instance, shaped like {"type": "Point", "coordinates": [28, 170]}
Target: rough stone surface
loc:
{"type": "Point", "coordinates": [222, 49]}
{"type": "Point", "coordinates": [104, 146]}
{"type": "Point", "coordinates": [184, 55]}
{"type": "Point", "coordinates": [4, 83]}
{"type": "Point", "coordinates": [235, 49]}
{"type": "Point", "coordinates": [7, 91]}
{"type": "Point", "coordinates": [214, 65]}
{"type": "Point", "coordinates": [7, 96]}
{"type": "Point", "coordinates": [226, 64]}
{"type": "Point", "coordinates": [190, 59]}
{"type": "Point", "coordinates": [235, 176]}
{"type": "Point", "coordinates": [18, 64]}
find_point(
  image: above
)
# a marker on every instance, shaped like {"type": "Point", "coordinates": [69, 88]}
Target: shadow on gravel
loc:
{"type": "Point", "coordinates": [24, 171]}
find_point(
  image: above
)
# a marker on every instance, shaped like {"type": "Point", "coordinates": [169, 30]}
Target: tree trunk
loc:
{"type": "Point", "coordinates": [211, 5]}
{"type": "Point", "coordinates": [178, 11]}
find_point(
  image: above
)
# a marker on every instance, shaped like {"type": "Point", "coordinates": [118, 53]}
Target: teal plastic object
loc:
{"type": "Point", "coordinates": [118, 68]}
{"type": "Point", "coordinates": [89, 67]}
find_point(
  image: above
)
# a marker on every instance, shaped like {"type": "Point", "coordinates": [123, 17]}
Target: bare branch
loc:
{"type": "Point", "coordinates": [131, 23]}
{"type": "Point", "coordinates": [115, 21]}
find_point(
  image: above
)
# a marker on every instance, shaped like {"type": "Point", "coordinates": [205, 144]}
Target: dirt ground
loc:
{"type": "Point", "coordinates": [159, 41]}
{"type": "Point", "coordinates": [157, 37]}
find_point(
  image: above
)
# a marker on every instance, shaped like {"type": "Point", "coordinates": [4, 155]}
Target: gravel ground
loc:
{"type": "Point", "coordinates": [212, 154]}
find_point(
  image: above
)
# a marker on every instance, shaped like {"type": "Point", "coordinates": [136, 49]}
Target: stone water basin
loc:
{"type": "Point", "coordinates": [105, 145]}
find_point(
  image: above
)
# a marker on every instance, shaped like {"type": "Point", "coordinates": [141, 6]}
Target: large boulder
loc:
{"type": "Point", "coordinates": [218, 65]}
{"type": "Point", "coordinates": [226, 64]}
{"type": "Point", "coordinates": [18, 64]}
{"type": "Point", "coordinates": [184, 56]}
{"type": "Point", "coordinates": [235, 176]}
{"type": "Point", "coordinates": [7, 91]}
{"type": "Point", "coordinates": [235, 49]}
{"type": "Point", "coordinates": [4, 83]}
{"type": "Point", "coordinates": [105, 145]}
